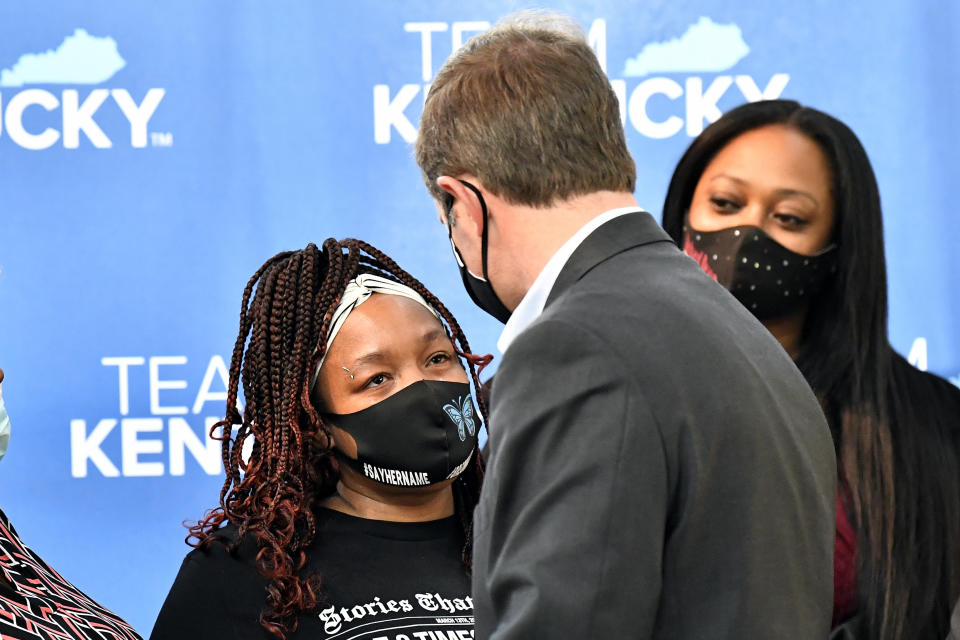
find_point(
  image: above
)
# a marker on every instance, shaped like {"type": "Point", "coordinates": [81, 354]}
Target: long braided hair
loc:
{"type": "Point", "coordinates": [274, 496]}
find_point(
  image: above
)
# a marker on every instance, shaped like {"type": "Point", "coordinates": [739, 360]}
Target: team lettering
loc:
{"type": "Point", "coordinates": [680, 104]}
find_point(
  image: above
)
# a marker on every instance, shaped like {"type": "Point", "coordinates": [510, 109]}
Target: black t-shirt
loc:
{"type": "Point", "coordinates": [382, 581]}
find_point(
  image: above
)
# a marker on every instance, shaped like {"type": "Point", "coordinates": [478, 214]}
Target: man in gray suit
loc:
{"type": "Point", "coordinates": [659, 468]}
{"type": "Point", "coordinates": [955, 623]}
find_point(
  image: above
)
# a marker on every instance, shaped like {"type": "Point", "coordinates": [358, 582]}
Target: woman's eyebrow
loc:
{"type": "Point", "coordinates": [798, 192]}
{"type": "Point", "coordinates": [729, 177]}
{"type": "Point", "coordinates": [379, 356]}
{"type": "Point", "coordinates": [367, 358]}
{"type": "Point", "coordinates": [432, 335]}
{"type": "Point", "coordinates": [780, 192]}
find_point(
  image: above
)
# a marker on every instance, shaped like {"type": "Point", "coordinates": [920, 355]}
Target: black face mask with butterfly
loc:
{"type": "Point", "coordinates": [423, 434]}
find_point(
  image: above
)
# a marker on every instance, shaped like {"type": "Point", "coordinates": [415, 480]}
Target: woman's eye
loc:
{"type": "Point", "coordinates": [439, 358]}
{"type": "Point", "coordinates": [723, 205]}
{"type": "Point", "coordinates": [790, 221]}
{"type": "Point", "coordinates": [375, 381]}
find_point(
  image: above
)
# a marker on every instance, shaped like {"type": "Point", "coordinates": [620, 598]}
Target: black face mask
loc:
{"type": "Point", "coordinates": [766, 277]}
{"type": "Point", "coordinates": [423, 434]}
{"type": "Point", "coordinates": [479, 288]}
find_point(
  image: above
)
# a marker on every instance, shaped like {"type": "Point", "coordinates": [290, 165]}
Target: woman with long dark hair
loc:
{"type": "Point", "coordinates": [349, 514]}
{"type": "Point", "coordinates": [779, 203]}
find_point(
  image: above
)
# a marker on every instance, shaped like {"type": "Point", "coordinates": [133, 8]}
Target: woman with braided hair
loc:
{"type": "Point", "coordinates": [349, 512]}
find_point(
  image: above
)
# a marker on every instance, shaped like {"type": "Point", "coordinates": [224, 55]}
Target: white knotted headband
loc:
{"type": "Point", "coordinates": [357, 292]}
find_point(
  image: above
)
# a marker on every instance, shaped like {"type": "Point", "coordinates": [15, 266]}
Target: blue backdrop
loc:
{"type": "Point", "coordinates": [153, 155]}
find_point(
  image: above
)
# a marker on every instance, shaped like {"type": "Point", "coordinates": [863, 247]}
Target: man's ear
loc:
{"type": "Point", "coordinates": [465, 203]}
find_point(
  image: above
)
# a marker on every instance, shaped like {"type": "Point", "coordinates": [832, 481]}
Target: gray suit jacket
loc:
{"type": "Point", "coordinates": [955, 623]}
{"type": "Point", "coordinates": [659, 467]}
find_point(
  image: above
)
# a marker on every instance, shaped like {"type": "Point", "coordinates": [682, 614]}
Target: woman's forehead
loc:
{"type": "Point", "coordinates": [385, 323]}
{"type": "Point", "coordinates": [774, 153]}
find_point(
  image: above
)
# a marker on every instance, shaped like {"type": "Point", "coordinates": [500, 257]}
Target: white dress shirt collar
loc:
{"type": "Point", "coordinates": [531, 306]}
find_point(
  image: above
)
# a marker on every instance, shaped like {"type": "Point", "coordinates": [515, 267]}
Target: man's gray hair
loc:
{"type": "Point", "coordinates": [526, 109]}
{"type": "Point", "coordinates": [542, 20]}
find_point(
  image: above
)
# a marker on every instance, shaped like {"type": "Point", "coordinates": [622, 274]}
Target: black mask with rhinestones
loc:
{"type": "Point", "coordinates": [766, 277]}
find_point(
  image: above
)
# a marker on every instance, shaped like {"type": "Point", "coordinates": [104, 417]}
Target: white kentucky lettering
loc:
{"type": "Point", "coordinates": [79, 116]}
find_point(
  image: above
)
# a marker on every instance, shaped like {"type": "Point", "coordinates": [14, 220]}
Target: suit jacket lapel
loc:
{"type": "Point", "coordinates": [613, 237]}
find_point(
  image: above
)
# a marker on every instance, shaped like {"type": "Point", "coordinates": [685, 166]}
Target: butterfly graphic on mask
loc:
{"type": "Point", "coordinates": [461, 412]}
